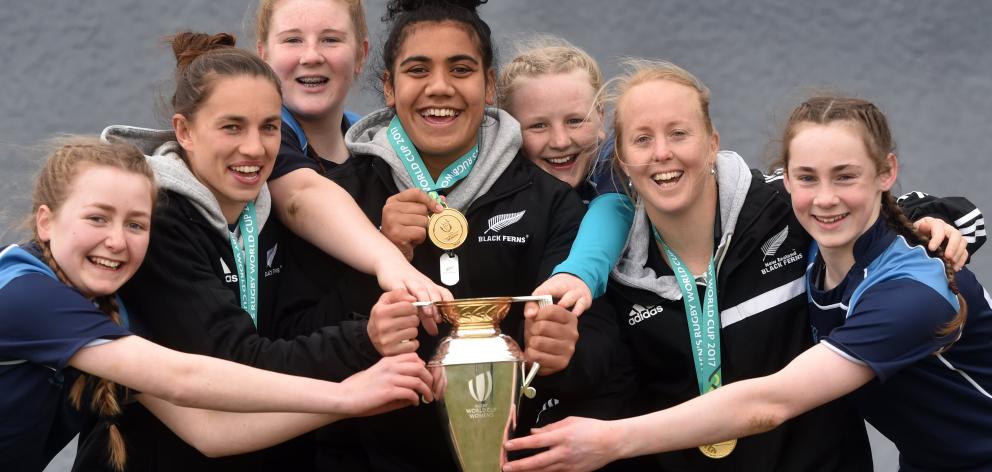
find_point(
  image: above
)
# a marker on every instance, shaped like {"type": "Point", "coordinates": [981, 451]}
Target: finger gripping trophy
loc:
{"type": "Point", "coordinates": [477, 380]}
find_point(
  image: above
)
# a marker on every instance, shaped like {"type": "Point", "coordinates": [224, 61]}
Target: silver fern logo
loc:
{"type": "Point", "coordinates": [771, 246]}
{"type": "Point", "coordinates": [545, 407]}
{"type": "Point", "coordinates": [772, 260]}
{"type": "Point", "coordinates": [499, 222]}
{"type": "Point", "coordinates": [270, 258]}
{"type": "Point", "coordinates": [481, 387]}
{"type": "Point", "coordinates": [270, 255]}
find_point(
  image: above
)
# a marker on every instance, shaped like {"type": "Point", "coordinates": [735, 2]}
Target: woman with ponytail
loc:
{"type": "Point", "coordinates": [899, 334]}
{"type": "Point", "coordinates": [66, 342]}
{"type": "Point", "coordinates": [211, 281]}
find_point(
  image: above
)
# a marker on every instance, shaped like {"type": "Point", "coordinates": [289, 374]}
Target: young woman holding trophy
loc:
{"type": "Point", "coordinates": [439, 171]}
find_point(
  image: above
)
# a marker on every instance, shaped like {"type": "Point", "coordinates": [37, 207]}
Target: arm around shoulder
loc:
{"type": "Point", "coordinates": [600, 241]}
{"type": "Point", "coordinates": [958, 211]}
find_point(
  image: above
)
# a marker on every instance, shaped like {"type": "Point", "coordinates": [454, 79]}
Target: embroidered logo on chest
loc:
{"type": "Point", "coordinates": [228, 276]}
{"type": "Point", "coordinates": [500, 222]}
{"type": "Point", "coordinates": [270, 257]}
{"type": "Point", "coordinates": [771, 259]}
{"type": "Point", "coordinates": [639, 313]}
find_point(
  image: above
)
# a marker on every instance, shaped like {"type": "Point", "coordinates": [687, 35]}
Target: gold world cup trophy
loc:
{"type": "Point", "coordinates": [479, 375]}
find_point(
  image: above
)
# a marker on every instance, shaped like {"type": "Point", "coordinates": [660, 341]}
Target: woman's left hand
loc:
{"type": "Point", "coordinates": [574, 444]}
{"type": "Point", "coordinates": [570, 291]}
{"type": "Point", "coordinates": [939, 230]}
{"type": "Point", "coordinates": [400, 275]}
{"type": "Point", "coordinates": [550, 335]}
{"type": "Point", "coordinates": [393, 382]}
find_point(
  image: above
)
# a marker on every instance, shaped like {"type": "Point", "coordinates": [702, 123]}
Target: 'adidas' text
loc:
{"type": "Point", "coordinates": [638, 313]}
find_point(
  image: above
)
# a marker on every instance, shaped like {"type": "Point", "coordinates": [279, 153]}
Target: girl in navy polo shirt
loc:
{"type": "Point", "coordinates": [65, 342]}
{"type": "Point", "coordinates": [902, 335]}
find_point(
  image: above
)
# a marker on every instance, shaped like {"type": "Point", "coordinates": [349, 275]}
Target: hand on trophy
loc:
{"type": "Point", "coordinates": [406, 277]}
{"type": "Point", "coordinates": [573, 444]}
{"type": "Point", "coordinates": [393, 382]}
{"type": "Point", "coordinates": [570, 291]}
{"type": "Point", "coordinates": [550, 334]}
{"type": "Point", "coordinates": [405, 217]}
{"type": "Point", "coordinates": [393, 324]}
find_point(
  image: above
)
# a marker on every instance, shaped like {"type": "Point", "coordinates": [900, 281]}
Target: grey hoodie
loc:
{"type": "Point", "coordinates": [499, 142]}
{"type": "Point", "coordinates": [733, 180]}
{"type": "Point", "coordinates": [163, 154]}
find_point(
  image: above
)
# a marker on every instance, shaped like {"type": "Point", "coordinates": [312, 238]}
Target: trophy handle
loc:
{"type": "Point", "coordinates": [531, 392]}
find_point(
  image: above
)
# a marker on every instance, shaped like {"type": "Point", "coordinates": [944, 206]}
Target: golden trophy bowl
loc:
{"type": "Point", "coordinates": [471, 314]}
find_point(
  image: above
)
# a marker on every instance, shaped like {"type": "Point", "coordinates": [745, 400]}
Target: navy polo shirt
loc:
{"type": "Point", "coordinates": [935, 406]}
{"type": "Point", "coordinates": [43, 323]}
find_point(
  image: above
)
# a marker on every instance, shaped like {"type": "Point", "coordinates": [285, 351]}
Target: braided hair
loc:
{"type": "Point", "coordinates": [52, 189]}
{"type": "Point", "coordinates": [874, 130]}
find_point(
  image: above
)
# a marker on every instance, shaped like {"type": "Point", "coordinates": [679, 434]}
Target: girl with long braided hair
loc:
{"type": "Point", "coordinates": [65, 343]}
{"type": "Point", "coordinates": [899, 333]}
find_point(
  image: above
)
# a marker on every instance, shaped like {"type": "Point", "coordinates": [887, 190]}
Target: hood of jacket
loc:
{"type": "Point", "coordinates": [499, 143]}
{"type": "Point", "coordinates": [163, 154]}
{"type": "Point", "coordinates": [733, 180]}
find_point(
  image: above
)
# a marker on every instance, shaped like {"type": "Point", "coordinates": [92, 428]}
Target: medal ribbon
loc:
{"type": "Point", "coordinates": [704, 321]}
{"type": "Point", "coordinates": [247, 277]}
{"type": "Point", "coordinates": [415, 166]}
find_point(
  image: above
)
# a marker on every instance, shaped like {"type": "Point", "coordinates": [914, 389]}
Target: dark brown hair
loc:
{"type": "Point", "coordinates": [201, 58]}
{"type": "Point", "coordinates": [873, 127]}
{"type": "Point", "coordinates": [53, 186]}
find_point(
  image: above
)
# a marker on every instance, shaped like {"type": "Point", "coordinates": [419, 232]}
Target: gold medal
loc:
{"type": "Point", "coordinates": [448, 229]}
{"type": "Point", "coordinates": [718, 450]}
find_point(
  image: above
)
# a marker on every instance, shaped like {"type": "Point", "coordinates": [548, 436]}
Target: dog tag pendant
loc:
{"type": "Point", "coordinates": [449, 268]}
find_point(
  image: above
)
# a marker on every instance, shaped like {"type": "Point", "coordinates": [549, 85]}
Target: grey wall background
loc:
{"type": "Point", "coordinates": [77, 66]}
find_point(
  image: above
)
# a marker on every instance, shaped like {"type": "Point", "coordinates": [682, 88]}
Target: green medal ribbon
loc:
{"type": "Point", "coordinates": [704, 324]}
{"type": "Point", "coordinates": [247, 285]}
{"type": "Point", "coordinates": [415, 166]}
